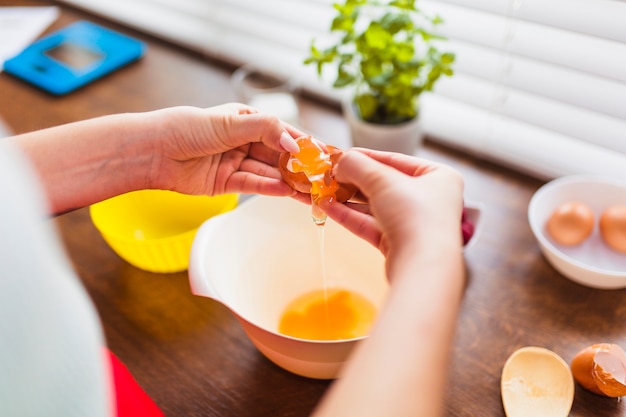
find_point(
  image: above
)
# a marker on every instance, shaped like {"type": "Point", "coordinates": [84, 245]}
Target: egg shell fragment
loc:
{"type": "Point", "coordinates": [601, 369]}
{"type": "Point", "coordinates": [299, 180]}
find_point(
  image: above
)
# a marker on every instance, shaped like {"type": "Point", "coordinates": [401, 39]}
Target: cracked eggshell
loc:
{"type": "Point", "coordinates": [299, 181]}
{"type": "Point", "coordinates": [601, 369]}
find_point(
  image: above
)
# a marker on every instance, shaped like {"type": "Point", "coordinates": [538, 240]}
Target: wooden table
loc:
{"type": "Point", "coordinates": [190, 353]}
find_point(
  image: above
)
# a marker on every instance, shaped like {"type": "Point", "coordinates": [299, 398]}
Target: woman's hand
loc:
{"type": "Point", "coordinates": [414, 217]}
{"type": "Point", "coordinates": [412, 203]}
{"type": "Point", "coordinates": [223, 149]}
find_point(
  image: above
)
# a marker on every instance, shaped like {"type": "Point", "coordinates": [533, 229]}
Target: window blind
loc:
{"type": "Point", "coordinates": [539, 85]}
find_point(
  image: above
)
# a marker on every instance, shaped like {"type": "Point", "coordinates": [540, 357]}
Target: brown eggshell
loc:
{"type": "Point", "coordinates": [296, 180]}
{"type": "Point", "coordinates": [570, 223]}
{"type": "Point", "coordinates": [601, 369]}
{"type": "Point", "coordinates": [582, 369]}
{"type": "Point", "coordinates": [613, 227]}
{"type": "Point", "coordinates": [299, 181]}
{"type": "Point", "coordinates": [345, 191]}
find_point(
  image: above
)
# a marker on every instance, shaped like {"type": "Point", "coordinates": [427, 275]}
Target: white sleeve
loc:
{"type": "Point", "coordinates": [51, 342]}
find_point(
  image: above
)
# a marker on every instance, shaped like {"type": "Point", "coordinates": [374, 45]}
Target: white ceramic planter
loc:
{"type": "Point", "coordinates": [404, 137]}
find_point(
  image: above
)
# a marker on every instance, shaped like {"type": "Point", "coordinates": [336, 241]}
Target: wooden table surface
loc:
{"type": "Point", "coordinates": [190, 353]}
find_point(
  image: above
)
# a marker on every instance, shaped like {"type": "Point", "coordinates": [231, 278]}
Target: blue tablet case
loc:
{"type": "Point", "coordinates": [74, 56]}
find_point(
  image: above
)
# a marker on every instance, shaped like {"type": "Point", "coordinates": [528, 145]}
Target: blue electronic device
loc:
{"type": "Point", "coordinates": [74, 56]}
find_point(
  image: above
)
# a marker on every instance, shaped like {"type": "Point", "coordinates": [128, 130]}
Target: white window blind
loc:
{"type": "Point", "coordinates": [539, 84]}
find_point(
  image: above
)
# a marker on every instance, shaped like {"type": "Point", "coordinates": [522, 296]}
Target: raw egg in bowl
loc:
{"type": "Point", "coordinates": [273, 267]}
{"type": "Point", "coordinates": [566, 215]}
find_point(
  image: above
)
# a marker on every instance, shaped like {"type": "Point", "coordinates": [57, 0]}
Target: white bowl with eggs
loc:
{"type": "Point", "coordinates": [592, 262]}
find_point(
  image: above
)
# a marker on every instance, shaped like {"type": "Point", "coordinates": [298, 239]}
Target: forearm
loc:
{"type": "Point", "coordinates": [402, 368]}
{"type": "Point", "coordinates": [85, 162]}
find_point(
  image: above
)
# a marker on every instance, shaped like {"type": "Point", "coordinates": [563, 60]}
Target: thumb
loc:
{"type": "Point", "coordinates": [368, 175]}
{"type": "Point", "coordinates": [261, 127]}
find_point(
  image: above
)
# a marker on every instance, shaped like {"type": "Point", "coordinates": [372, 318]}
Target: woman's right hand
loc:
{"type": "Point", "coordinates": [412, 203]}
{"type": "Point", "coordinates": [413, 214]}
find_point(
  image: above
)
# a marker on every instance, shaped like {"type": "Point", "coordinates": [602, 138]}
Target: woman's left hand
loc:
{"type": "Point", "coordinates": [231, 148]}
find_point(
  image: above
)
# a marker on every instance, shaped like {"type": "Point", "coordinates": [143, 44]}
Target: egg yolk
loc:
{"type": "Point", "coordinates": [571, 223]}
{"type": "Point", "coordinates": [332, 314]}
{"type": "Point", "coordinates": [316, 164]}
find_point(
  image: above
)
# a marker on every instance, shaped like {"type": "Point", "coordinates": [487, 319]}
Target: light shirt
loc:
{"type": "Point", "coordinates": [51, 341]}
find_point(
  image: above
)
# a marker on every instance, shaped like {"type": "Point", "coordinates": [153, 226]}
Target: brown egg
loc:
{"type": "Point", "coordinates": [613, 227]}
{"type": "Point", "coordinates": [571, 223]}
{"type": "Point", "coordinates": [296, 180]}
{"type": "Point", "coordinates": [601, 369]}
{"type": "Point", "coordinates": [299, 180]}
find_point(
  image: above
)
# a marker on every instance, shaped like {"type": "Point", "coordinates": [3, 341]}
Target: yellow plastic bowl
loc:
{"type": "Point", "coordinates": [154, 229]}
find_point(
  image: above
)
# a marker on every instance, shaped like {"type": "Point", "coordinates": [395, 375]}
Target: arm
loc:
{"type": "Point", "coordinates": [229, 148]}
{"type": "Point", "coordinates": [401, 368]}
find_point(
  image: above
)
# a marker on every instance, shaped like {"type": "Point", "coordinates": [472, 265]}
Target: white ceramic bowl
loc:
{"type": "Point", "coordinates": [591, 263]}
{"type": "Point", "coordinates": [259, 257]}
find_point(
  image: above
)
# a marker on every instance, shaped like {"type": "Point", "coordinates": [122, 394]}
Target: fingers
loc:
{"type": "Point", "coordinates": [359, 198]}
{"type": "Point", "coordinates": [286, 141]}
{"type": "Point", "coordinates": [248, 183]}
{"type": "Point", "coordinates": [302, 197]}
{"type": "Point", "coordinates": [232, 108]}
{"type": "Point", "coordinates": [257, 167]}
{"type": "Point", "coordinates": [264, 154]}
{"type": "Point", "coordinates": [407, 164]}
{"type": "Point", "coordinates": [368, 175]}
{"type": "Point", "coordinates": [259, 127]}
{"type": "Point", "coordinates": [243, 128]}
{"type": "Point", "coordinates": [232, 125]}
{"type": "Point", "coordinates": [293, 131]}
{"type": "Point", "coordinates": [355, 219]}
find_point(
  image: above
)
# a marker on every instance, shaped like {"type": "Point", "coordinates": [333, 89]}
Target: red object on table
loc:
{"type": "Point", "coordinates": [131, 400]}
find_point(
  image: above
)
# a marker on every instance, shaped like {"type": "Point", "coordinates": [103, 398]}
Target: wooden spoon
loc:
{"type": "Point", "coordinates": [536, 382]}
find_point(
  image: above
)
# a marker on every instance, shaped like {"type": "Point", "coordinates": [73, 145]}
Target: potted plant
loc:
{"type": "Point", "coordinates": [385, 50]}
